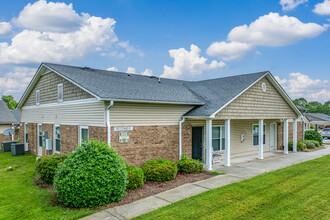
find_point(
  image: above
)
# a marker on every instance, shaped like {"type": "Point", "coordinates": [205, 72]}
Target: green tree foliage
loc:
{"type": "Point", "coordinates": [314, 106]}
{"type": "Point", "coordinates": [9, 99]}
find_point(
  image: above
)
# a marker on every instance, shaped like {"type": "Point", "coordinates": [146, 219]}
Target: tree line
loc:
{"type": "Point", "coordinates": [314, 106]}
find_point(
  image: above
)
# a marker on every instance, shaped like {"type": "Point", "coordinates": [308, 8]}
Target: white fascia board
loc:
{"type": "Point", "coordinates": [155, 102]}
{"type": "Point", "coordinates": [213, 115]}
{"type": "Point", "coordinates": [74, 102]}
{"type": "Point", "coordinates": [286, 97]}
{"type": "Point", "coordinates": [31, 85]}
{"type": "Point", "coordinates": [197, 117]}
{"type": "Point", "coordinates": [73, 82]}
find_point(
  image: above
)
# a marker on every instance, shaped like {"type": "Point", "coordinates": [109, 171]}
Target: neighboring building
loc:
{"type": "Point", "coordinates": [319, 120]}
{"type": "Point", "coordinates": [146, 117]}
{"type": "Point", "coordinates": [7, 121]}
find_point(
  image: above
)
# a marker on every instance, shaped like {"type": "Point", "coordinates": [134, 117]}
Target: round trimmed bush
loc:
{"type": "Point", "coordinates": [301, 146]}
{"type": "Point", "coordinates": [93, 175]}
{"type": "Point", "coordinates": [313, 135]}
{"type": "Point", "coordinates": [136, 177]}
{"type": "Point", "coordinates": [187, 165]}
{"type": "Point", "coordinates": [46, 166]}
{"type": "Point", "coordinates": [159, 170]}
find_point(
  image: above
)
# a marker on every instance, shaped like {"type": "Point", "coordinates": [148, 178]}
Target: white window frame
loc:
{"type": "Point", "coordinates": [56, 152]}
{"type": "Point", "coordinates": [60, 88]}
{"type": "Point", "coordinates": [80, 133]}
{"type": "Point", "coordinates": [258, 134]}
{"type": "Point", "coordinates": [221, 136]}
{"type": "Point", "coordinates": [38, 97]}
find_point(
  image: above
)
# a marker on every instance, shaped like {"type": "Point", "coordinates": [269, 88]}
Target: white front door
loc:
{"type": "Point", "coordinates": [272, 137]}
{"type": "Point", "coordinates": [39, 136]}
{"type": "Point", "coordinates": [26, 137]}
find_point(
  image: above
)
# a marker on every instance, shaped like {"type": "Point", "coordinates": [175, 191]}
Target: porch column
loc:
{"type": "Point", "coordinates": [294, 135]}
{"type": "Point", "coordinates": [209, 144]}
{"type": "Point", "coordinates": [227, 142]}
{"type": "Point", "coordinates": [286, 136]}
{"type": "Point", "coordinates": [261, 139]}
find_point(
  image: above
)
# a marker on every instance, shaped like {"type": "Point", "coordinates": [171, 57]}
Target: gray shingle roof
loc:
{"type": "Point", "coordinates": [115, 85]}
{"type": "Point", "coordinates": [207, 95]}
{"type": "Point", "coordinates": [321, 116]}
{"type": "Point", "coordinates": [218, 92]}
{"type": "Point", "coordinates": [6, 117]}
{"type": "Point", "coordinates": [17, 114]}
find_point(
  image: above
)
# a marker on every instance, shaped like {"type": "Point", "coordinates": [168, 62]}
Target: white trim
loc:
{"type": "Point", "coordinates": [55, 126]}
{"type": "Point", "coordinates": [81, 101]}
{"type": "Point", "coordinates": [60, 100]}
{"type": "Point", "coordinates": [38, 97]}
{"type": "Point", "coordinates": [227, 144]}
{"type": "Point", "coordinates": [216, 112]}
{"type": "Point", "coordinates": [180, 137]}
{"type": "Point", "coordinates": [149, 101]}
{"type": "Point", "coordinates": [275, 132]}
{"type": "Point", "coordinates": [294, 138]}
{"type": "Point", "coordinates": [286, 136]}
{"type": "Point", "coordinates": [264, 124]}
{"type": "Point", "coordinates": [80, 128]}
{"type": "Point", "coordinates": [261, 138]}
{"type": "Point", "coordinates": [209, 148]}
{"type": "Point", "coordinates": [38, 140]}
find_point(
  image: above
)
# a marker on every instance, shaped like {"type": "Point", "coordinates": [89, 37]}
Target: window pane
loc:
{"type": "Point", "coordinates": [84, 134]}
{"type": "Point", "coordinates": [57, 132]}
{"type": "Point", "coordinates": [40, 141]}
{"type": "Point", "coordinates": [216, 144]}
{"type": "Point", "coordinates": [223, 142]}
{"type": "Point", "coordinates": [216, 132]}
{"type": "Point", "coordinates": [255, 129]}
{"type": "Point", "coordinates": [255, 139]}
{"type": "Point", "coordinates": [57, 145]}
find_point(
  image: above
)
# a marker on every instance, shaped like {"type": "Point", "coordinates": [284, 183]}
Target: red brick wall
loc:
{"type": "Point", "coordinates": [33, 138]}
{"type": "Point", "coordinates": [187, 139]}
{"type": "Point", "coordinates": [300, 133]}
{"type": "Point", "coordinates": [147, 143]}
{"type": "Point", "coordinates": [21, 132]}
{"type": "Point", "coordinates": [4, 138]}
{"type": "Point", "coordinates": [69, 138]}
{"type": "Point", "coordinates": [97, 133]}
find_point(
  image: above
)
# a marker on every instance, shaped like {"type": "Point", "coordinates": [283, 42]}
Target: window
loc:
{"type": "Point", "coordinates": [38, 97]}
{"type": "Point", "coordinates": [60, 92]}
{"type": "Point", "coordinates": [255, 132]}
{"type": "Point", "coordinates": [40, 135]}
{"type": "Point", "coordinates": [57, 139]}
{"type": "Point", "coordinates": [218, 138]}
{"type": "Point", "coordinates": [26, 133]}
{"type": "Point", "coordinates": [83, 134]}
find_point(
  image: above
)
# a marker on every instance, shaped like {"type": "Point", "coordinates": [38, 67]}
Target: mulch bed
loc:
{"type": "Point", "coordinates": [318, 148]}
{"type": "Point", "coordinates": [148, 189]}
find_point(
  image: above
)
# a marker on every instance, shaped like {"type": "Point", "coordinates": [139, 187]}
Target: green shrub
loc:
{"type": "Point", "coordinates": [136, 177]}
{"type": "Point", "coordinates": [187, 165]}
{"type": "Point", "coordinates": [301, 146]}
{"type": "Point", "coordinates": [93, 175]}
{"type": "Point", "coordinates": [310, 145]}
{"type": "Point", "coordinates": [159, 170]}
{"type": "Point", "coordinates": [316, 143]}
{"type": "Point", "coordinates": [46, 166]}
{"type": "Point", "coordinates": [313, 135]}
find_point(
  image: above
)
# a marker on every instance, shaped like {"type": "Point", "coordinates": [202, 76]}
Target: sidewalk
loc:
{"type": "Point", "coordinates": [233, 174]}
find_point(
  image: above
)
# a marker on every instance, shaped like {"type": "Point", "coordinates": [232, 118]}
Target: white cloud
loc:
{"type": "Point", "coordinates": [15, 82]}
{"type": "Point", "coordinates": [5, 29]}
{"type": "Point", "coordinates": [147, 72]}
{"type": "Point", "coordinates": [53, 17]}
{"type": "Point", "coordinates": [131, 70]}
{"type": "Point", "coordinates": [300, 85]}
{"type": "Point", "coordinates": [228, 51]}
{"type": "Point", "coordinates": [275, 30]}
{"type": "Point", "coordinates": [189, 63]}
{"type": "Point", "coordinates": [34, 46]}
{"type": "Point", "coordinates": [112, 69]}
{"type": "Point", "coordinates": [322, 8]}
{"type": "Point", "coordinates": [129, 48]}
{"type": "Point", "coordinates": [291, 4]}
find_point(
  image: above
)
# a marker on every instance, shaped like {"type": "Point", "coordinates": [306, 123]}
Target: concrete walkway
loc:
{"type": "Point", "coordinates": [234, 173]}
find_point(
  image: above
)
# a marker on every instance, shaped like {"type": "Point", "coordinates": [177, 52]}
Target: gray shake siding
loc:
{"type": "Point", "coordinates": [47, 85]}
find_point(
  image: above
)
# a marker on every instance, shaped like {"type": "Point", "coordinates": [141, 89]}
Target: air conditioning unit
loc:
{"type": "Point", "coordinates": [48, 144]}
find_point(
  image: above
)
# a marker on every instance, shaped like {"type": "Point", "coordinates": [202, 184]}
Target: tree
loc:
{"type": "Point", "coordinates": [9, 99]}
{"type": "Point", "coordinates": [301, 102]}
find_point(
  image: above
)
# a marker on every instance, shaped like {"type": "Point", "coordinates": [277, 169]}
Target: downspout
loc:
{"type": "Point", "coordinates": [108, 123]}
{"type": "Point", "coordinates": [180, 137]}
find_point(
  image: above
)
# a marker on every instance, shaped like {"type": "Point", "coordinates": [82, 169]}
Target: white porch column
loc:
{"type": "Point", "coordinates": [294, 135]}
{"type": "Point", "coordinates": [227, 142]}
{"type": "Point", "coordinates": [286, 136]}
{"type": "Point", "coordinates": [261, 139]}
{"type": "Point", "coordinates": [209, 144]}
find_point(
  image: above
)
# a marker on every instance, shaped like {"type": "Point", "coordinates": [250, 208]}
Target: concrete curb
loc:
{"type": "Point", "coordinates": [234, 174]}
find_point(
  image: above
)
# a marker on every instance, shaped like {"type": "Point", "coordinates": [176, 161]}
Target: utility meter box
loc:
{"type": "Point", "coordinates": [48, 144]}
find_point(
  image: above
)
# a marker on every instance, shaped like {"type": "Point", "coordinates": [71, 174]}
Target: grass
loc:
{"type": "Point", "coordinates": [20, 198]}
{"type": "Point", "coordinates": [297, 192]}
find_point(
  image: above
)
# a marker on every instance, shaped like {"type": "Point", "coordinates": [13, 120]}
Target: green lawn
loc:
{"type": "Point", "coordinates": [21, 199]}
{"type": "Point", "coordinates": [301, 191]}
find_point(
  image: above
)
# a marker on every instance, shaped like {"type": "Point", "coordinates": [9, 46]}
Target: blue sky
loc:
{"type": "Point", "coordinates": [191, 40]}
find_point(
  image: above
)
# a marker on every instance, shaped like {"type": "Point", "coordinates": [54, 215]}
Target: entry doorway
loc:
{"type": "Point", "coordinates": [197, 143]}
{"type": "Point", "coordinates": [272, 137]}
